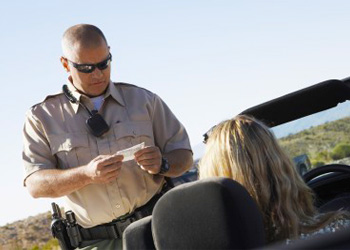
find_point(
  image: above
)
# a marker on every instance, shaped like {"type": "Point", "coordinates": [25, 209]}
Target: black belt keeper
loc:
{"type": "Point", "coordinates": [115, 229]}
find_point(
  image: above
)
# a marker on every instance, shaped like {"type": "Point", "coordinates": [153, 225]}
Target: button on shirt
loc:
{"type": "Point", "coordinates": [56, 137]}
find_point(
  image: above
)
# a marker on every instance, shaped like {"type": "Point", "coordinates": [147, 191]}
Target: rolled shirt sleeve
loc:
{"type": "Point", "coordinates": [36, 153]}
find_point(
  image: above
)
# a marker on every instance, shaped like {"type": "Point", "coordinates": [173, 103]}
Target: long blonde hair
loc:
{"type": "Point", "coordinates": [245, 150]}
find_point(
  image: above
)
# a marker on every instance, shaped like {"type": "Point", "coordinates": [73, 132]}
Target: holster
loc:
{"type": "Point", "coordinates": [59, 231]}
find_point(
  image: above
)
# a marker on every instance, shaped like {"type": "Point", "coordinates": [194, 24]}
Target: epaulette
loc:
{"type": "Point", "coordinates": [48, 97]}
{"type": "Point", "coordinates": [131, 85]}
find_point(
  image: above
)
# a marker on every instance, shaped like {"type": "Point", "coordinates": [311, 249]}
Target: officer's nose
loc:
{"type": "Point", "coordinates": [97, 73]}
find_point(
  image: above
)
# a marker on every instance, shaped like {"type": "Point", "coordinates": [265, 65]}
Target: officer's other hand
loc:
{"type": "Point", "coordinates": [149, 159]}
{"type": "Point", "coordinates": [104, 168]}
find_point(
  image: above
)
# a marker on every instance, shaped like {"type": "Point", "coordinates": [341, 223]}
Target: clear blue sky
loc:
{"type": "Point", "coordinates": [208, 60]}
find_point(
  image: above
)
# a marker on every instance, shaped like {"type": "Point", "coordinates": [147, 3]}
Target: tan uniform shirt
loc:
{"type": "Point", "coordinates": [55, 136]}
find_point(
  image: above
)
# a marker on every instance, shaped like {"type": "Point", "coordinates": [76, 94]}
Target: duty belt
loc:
{"type": "Point", "coordinates": [115, 228]}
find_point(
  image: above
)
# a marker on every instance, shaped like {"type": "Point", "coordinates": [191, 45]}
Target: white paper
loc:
{"type": "Point", "coordinates": [129, 152]}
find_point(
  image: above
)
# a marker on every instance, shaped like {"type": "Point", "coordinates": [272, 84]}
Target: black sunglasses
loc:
{"type": "Point", "coordinates": [207, 134]}
{"type": "Point", "coordinates": [88, 68]}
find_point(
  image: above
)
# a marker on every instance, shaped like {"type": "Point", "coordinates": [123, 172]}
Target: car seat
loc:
{"type": "Point", "coordinates": [138, 235]}
{"type": "Point", "coordinates": [215, 213]}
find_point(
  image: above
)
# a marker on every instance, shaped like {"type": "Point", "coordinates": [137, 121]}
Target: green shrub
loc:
{"type": "Point", "coordinates": [340, 151]}
{"type": "Point", "coordinates": [323, 156]}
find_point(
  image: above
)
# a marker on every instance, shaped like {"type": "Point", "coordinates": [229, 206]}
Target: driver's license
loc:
{"type": "Point", "coordinates": [129, 152]}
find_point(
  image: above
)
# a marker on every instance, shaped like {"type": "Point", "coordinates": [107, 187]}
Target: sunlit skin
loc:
{"type": "Point", "coordinates": [149, 159]}
{"type": "Point", "coordinates": [90, 84]}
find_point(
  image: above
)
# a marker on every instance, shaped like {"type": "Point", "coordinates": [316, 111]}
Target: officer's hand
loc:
{"type": "Point", "coordinates": [149, 159]}
{"type": "Point", "coordinates": [104, 168]}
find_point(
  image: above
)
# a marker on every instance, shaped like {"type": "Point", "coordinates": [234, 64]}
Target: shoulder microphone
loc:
{"type": "Point", "coordinates": [95, 123]}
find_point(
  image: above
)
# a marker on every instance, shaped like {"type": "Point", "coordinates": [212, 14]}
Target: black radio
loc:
{"type": "Point", "coordinates": [95, 123]}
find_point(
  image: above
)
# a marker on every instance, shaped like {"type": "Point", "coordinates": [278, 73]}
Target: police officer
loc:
{"type": "Point", "coordinates": [63, 157]}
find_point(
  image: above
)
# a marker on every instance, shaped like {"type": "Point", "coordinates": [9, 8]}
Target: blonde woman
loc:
{"type": "Point", "coordinates": [245, 150]}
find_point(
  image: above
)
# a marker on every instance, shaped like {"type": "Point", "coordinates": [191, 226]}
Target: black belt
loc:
{"type": "Point", "coordinates": [115, 229]}
{"type": "Point", "coordinates": [112, 230]}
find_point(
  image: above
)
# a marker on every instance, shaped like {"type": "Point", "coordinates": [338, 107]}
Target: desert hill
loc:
{"type": "Point", "coordinates": [32, 233]}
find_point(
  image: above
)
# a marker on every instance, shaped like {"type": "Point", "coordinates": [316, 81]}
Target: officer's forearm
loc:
{"type": "Point", "coordinates": [55, 183]}
{"type": "Point", "coordinates": [180, 161]}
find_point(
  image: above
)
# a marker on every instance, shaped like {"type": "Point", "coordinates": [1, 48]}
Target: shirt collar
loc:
{"type": "Point", "coordinates": [111, 91]}
{"type": "Point", "coordinates": [115, 93]}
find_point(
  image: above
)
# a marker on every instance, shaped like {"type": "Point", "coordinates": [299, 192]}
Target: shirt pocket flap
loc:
{"type": "Point", "coordinates": [66, 142]}
{"type": "Point", "coordinates": [134, 129]}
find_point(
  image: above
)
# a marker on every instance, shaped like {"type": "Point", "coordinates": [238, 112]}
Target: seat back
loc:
{"type": "Point", "coordinates": [216, 213]}
{"type": "Point", "coordinates": [138, 235]}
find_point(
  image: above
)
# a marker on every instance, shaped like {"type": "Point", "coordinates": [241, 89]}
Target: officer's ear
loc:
{"type": "Point", "coordinates": [64, 62]}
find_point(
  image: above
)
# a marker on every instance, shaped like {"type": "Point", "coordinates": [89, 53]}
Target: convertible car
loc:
{"type": "Point", "coordinates": [316, 120]}
{"type": "Point", "coordinates": [313, 126]}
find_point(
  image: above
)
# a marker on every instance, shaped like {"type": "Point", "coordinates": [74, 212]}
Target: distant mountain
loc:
{"type": "Point", "coordinates": [342, 110]}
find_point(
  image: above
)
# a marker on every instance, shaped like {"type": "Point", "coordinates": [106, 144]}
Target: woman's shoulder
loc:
{"type": "Point", "coordinates": [332, 227]}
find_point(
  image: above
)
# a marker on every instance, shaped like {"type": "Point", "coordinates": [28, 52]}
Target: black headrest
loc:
{"type": "Point", "coordinates": [216, 213]}
{"type": "Point", "coordinates": [138, 235]}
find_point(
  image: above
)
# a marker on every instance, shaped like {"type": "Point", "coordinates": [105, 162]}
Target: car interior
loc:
{"type": "Point", "coordinates": [207, 214]}
{"type": "Point", "coordinates": [218, 213]}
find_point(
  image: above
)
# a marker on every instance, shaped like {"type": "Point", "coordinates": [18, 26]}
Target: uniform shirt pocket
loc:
{"type": "Point", "coordinates": [128, 134]}
{"type": "Point", "coordinates": [71, 149]}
